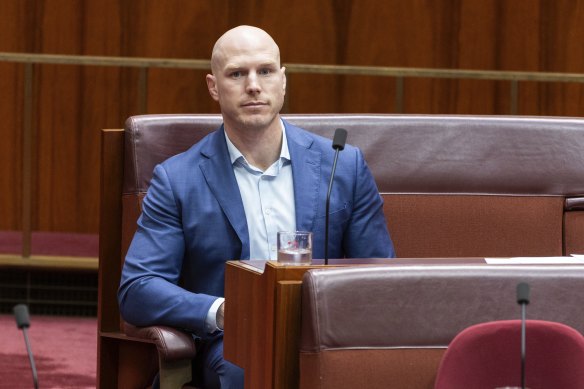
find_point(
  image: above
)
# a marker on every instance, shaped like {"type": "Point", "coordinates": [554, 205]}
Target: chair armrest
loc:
{"type": "Point", "coordinates": [172, 344]}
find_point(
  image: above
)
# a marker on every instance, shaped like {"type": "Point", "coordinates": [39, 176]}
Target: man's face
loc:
{"type": "Point", "coordinates": [248, 82]}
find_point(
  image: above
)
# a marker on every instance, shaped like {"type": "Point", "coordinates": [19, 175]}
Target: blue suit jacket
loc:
{"type": "Point", "coordinates": [193, 221]}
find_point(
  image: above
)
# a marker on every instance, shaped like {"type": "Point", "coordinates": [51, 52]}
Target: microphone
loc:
{"type": "Point", "coordinates": [339, 140]}
{"type": "Point", "coordinates": [23, 322]}
{"type": "Point", "coordinates": [523, 300]}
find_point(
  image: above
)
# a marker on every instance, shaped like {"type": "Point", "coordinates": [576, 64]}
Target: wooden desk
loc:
{"type": "Point", "coordinates": [262, 315]}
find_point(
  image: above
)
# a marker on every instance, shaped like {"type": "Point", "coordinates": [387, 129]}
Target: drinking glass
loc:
{"type": "Point", "coordinates": [295, 247]}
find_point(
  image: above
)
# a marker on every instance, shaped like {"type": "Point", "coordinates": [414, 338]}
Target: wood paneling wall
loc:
{"type": "Point", "coordinates": [72, 103]}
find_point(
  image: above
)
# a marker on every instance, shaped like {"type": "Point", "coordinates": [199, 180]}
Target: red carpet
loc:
{"type": "Point", "coordinates": [64, 348]}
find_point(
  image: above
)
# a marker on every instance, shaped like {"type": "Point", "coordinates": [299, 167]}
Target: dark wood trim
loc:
{"type": "Point", "coordinates": [110, 232]}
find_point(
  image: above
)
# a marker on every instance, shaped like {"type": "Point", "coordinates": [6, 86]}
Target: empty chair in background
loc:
{"type": "Point", "coordinates": [488, 355]}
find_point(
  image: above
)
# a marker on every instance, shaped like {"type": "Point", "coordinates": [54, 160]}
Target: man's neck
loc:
{"type": "Point", "coordinates": [260, 147]}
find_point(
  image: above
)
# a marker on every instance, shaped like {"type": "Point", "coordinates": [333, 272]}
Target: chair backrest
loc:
{"type": "Point", "coordinates": [380, 327]}
{"type": "Point", "coordinates": [488, 356]}
{"type": "Point", "coordinates": [453, 186]}
{"type": "Point", "coordinates": [407, 154]}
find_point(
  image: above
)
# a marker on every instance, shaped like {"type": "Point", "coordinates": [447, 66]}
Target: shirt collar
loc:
{"type": "Point", "coordinates": [235, 154]}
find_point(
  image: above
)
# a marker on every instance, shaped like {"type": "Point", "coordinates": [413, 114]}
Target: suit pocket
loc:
{"type": "Point", "coordinates": [337, 216]}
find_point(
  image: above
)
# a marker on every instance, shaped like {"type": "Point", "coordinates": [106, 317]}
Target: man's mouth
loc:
{"type": "Point", "coordinates": [254, 104]}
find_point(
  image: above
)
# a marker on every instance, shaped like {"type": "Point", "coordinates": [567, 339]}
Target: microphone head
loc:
{"type": "Point", "coordinates": [339, 139]}
{"type": "Point", "coordinates": [21, 315]}
{"type": "Point", "coordinates": [523, 293]}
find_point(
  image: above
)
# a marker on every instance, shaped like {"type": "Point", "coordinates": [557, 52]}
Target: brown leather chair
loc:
{"type": "Point", "coordinates": [129, 357]}
{"type": "Point", "coordinates": [388, 327]}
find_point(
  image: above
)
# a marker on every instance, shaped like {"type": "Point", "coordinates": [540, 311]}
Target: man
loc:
{"type": "Point", "coordinates": [228, 195]}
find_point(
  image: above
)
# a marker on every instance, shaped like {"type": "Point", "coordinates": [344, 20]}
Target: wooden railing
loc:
{"type": "Point", "coordinates": [144, 64]}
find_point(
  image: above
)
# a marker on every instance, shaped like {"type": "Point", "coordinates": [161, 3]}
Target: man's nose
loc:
{"type": "Point", "coordinates": [253, 85]}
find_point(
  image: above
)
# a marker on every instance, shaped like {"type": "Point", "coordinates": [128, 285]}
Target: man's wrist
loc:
{"type": "Point", "coordinates": [211, 322]}
{"type": "Point", "coordinates": [221, 316]}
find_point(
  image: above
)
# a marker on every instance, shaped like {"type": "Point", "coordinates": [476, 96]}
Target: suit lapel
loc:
{"type": "Point", "coordinates": [219, 175]}
{"type": "Point", "coordinates": [306, 165]}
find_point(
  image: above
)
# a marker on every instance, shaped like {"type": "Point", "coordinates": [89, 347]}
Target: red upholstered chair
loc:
{"type": "Point", "coordinates": [488, 356]}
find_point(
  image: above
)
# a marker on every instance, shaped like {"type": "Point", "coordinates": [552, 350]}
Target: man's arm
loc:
{"type": "Point", "coordinates": [149, 293]}
{"type": "Point", "coordinates": [367, 235]}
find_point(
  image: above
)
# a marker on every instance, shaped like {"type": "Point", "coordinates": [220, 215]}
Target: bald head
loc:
{"type": "Point", "coordinates": [249, 84]}
{"type": "Point", "coordinates": [241, 40]}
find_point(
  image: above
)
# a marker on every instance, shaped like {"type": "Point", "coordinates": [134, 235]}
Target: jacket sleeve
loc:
{"type": "Point", "coordinates": [149, 292]}
{"type": "Point", "coordinates": [366, 235]}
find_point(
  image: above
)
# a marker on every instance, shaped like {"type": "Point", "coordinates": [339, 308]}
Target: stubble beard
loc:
{"type": "Point", "coordinates": [258, 121]}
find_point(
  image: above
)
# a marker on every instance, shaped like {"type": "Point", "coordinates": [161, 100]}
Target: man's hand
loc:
{"type": "Point", "coordinates": [221, 316]}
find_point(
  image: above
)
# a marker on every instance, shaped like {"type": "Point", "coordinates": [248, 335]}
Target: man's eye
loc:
{"type": "Point", "coordinates": [265, 72]}
{"type": "Point", "coordinates": [235, 74]}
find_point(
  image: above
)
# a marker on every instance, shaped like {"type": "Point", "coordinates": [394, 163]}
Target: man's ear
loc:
{"type": "Point", "coordinates": [212, 86]}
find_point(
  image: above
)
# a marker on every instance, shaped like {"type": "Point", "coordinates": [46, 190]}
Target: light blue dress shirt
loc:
{"type": "Point", "coordinates": [268, 201]}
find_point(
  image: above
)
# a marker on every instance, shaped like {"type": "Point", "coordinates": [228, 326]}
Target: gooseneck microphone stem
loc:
{"type": "Point", "coordinates": [23, 322]}
{"type": "Point", "coordinates": [339, 140]}
{"type": "Point", "coordinates": [523, 310]}
{"type": "Point", "coordinates": [523, 300]}
{"type": "Point", "coordinates": [31, 359]}
{"type": "Point", "coordinates": [328, 204]}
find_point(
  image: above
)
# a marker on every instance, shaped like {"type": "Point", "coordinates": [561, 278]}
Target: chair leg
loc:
{"type": "Point", "coordinates": [173, 375]}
